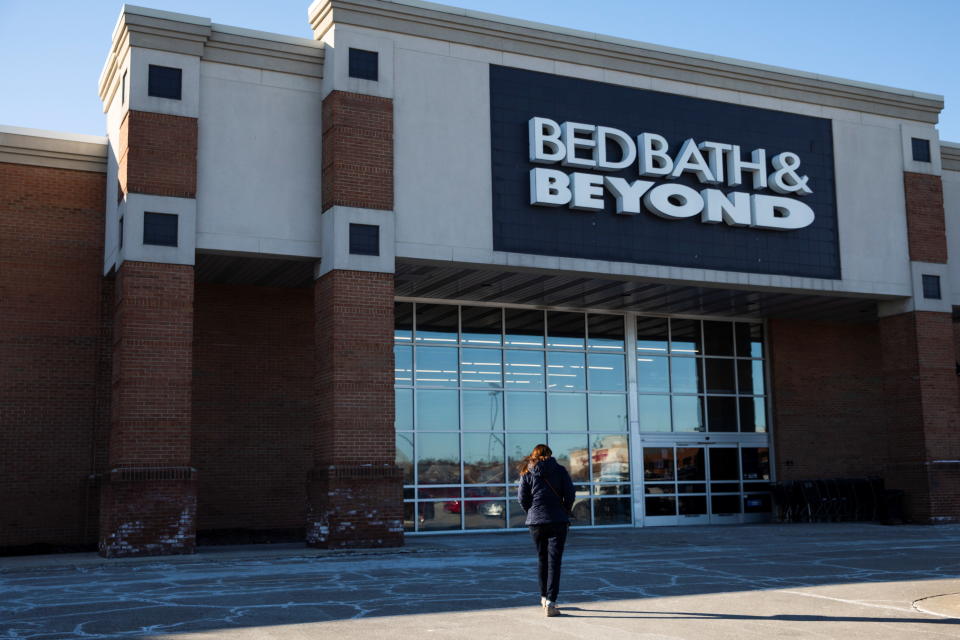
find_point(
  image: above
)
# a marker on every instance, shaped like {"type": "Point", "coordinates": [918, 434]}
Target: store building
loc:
{"type": "Point", "coordinates": [336, 288]}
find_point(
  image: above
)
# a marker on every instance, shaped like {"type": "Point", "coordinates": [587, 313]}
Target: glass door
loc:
{"type": "Point", "coordinates": [686, 483]}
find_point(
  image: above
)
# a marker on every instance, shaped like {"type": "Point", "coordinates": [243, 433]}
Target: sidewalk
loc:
{"type": "Point", "coordinates": [850, 581]}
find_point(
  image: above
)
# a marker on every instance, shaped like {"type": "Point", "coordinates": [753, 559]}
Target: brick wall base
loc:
{"type": "Point", "coordinates": [355, 491]}
{"type": "Point", "coordinates": [922, 414]}
{"type": "Point", "coordinates": [355, 507]}
{"type": "Point", "coordinates": [144, 513]}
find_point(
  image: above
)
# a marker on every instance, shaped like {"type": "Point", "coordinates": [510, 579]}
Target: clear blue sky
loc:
{"type": "Point", "coordinates": [51, 51]}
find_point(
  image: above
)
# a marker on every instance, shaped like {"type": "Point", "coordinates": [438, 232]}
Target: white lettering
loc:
{"type": "Point", "coordinates": [628, 150]}
{"type": "Point", "coordinates": [737, 165]}
{"type": "Point", "coordinates": [715, 151]}
{"type": "Point", "coordinates": [673, 201]}
{"type": "Point", "coordinates": [627, 194]}
{"type": "Point", "coordinates": [734, 209]}
{"type": "Point", "coordinates": [652, 155]}
{"type": "Point", "coordinates": [587, 192]}
{"type": "Point", "coordinates": [545, 145]}
{"type": "Point", "coordinates": [785, 179]}
{"type": "Point", "coordinates": [781, 214]}
{"type": "Point", "coordinates": [690, 159]}
{"type": "Point", "coordinates": [573, 134]}
{"type": "Point", "coordinates": [549, 187]}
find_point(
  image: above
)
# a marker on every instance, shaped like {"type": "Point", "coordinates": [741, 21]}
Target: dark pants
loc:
{"type": "Point", "coordinates": [549, 539]}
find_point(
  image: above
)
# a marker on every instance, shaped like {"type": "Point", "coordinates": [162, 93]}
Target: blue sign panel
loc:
{"type": "Point", "coordinates": [586, 169]}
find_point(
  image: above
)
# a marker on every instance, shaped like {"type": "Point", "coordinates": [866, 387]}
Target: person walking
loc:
{"type": "Point", "coordinates": [546, 494]}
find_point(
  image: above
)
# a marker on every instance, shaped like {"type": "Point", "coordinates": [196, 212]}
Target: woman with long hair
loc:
{"type": "Point", "coordinates": [546, 494]}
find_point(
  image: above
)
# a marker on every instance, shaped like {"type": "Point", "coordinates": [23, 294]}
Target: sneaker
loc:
{"type": "Point", "coordinates": [543, 601]}
{"type": "Point", "coordinates": [551, 609]}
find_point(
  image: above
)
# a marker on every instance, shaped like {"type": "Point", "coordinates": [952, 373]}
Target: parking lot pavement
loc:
{"type": "Point", "coordinates": [846, 581]}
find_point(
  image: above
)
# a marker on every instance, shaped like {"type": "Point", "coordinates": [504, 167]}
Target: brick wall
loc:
{"type": "Point", "coordinates": [922, 413]}
{"type": "Point", "coordinates": [357, 151]}
{"type": "Point", "coordinates": [926, 229]}
{"type": "Point", "coordinates": [162, 158]}
{"type": "Point", "coordinates": [148, 500]}
{"type": "Point", "coordinates": [252, 408]}
{"type": "Point", "coordinates": [827, 399]}
{"type": "Point", "coordinates": [355, 493]}
{"type": "Point", "coordinates": [52, 343]}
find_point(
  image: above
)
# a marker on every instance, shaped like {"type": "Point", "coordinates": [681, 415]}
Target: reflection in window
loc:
{"type": "Point", "coordinates": [526, 411]}
{"type": "Point", "coordinates": [403, 417]}
{"type": "Point", "coordinates": [605, 372]}
{"type": "Point", "coordinates": [480, 368]}
{"type": "Point", "coordinates": [436, 366]}
{"type": "Point", "coordinates": [691, 464]}
{"type": "Point", "coordinates": [525, 328]}
{"type": "Point", "coordinates": [652, 336]}
{"type": "Point", "coordinates": [605, 332]}
{"type": "Point", "coordinates": [438, 458]}
{"type": "Point", "coordinates": [565, 371]}
{"type": "Point", "coordinates": [403, 365]}
{"type": "Point", "coordinates": [524, 369]}
{"type": "Point", "coordinates": [481, 325]}
{"type": "Point", "coordinates": [687, 414]}
{"type": "Point", "coordinates": [610, 459]}
{"type": "Point", "coordinates": [685, 337]}
{"type": "Point", "coordinates": [567, 411]}
{"type": "Point", "coordinates": [653, 374]}
{"type": "Point", "coordinates": [436, 324]}
{"type": "Point", "coordinates": [482, 410]}
{"type": "Point", "coordinates": [607, 412]}
{"type": "Point", "coordinates": [483, 461]}
{"type": "Point", "coordinates": [654, 413]}
{"type": "Point", "coordinates": [658, 464]}
{"type": "Point", "coordinates": [685, 375]}
{"type": "Point", "coordinates": [437, 410]}
{"type": "Point", "coordinates": [404, 456]}
{"type": "Point", "coordinates": [565, 330]}
{"type": "Point", "coordinates": [570, 450]}
{"type": "Point", "coordinates": [403, 321]}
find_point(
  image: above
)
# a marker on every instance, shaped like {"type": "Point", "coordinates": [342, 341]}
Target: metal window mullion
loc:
{"type": "Point", "coordinates": [633, 415]}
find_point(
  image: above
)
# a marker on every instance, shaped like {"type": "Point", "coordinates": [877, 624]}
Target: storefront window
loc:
{"type": "Point", "coordinates": [700, 375]}
{"type": "Point", "coordinates": [478, 387]}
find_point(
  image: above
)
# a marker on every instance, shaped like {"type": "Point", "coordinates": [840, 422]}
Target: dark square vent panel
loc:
{"type": "Point", "coordinates": [364, 239]}
{"type": "Point", "coordinates": [160, 229]}
{"type": "Point", "coordinates": [921, 149]}
{"type": "Point", "coordinates": [165, 82]}
{"type": "Point", "coordinates": [931, 287]}
{"type": "Point", "coordinates": [363, 64]}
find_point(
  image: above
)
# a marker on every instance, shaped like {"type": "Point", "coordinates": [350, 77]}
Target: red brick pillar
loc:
{"type": "Point", "coordinates": [355, 492]}
{"type": "Point", "coordinates": [921, 398]}
{"type": "Point", "coordinates": [148, 502]}
{"type": "Point", "coordinates": [922, 416]}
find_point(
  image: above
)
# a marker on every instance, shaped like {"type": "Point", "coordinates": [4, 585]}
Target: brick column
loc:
{"type": "Point", "coordinates": [148, 501]}
{"type": "Point", "coordinates": [922, 417]}
{"type": "Point", "coordinates": [355, 492]}
{"type": "Point", "coordinates": [921, 398]}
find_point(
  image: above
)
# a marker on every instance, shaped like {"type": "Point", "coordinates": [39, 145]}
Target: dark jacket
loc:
{"type": "Point", "coordinates": [542, 504]}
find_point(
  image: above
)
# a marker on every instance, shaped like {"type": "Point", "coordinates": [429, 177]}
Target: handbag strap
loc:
{"type": "Point", "coordinates": [557, 493]}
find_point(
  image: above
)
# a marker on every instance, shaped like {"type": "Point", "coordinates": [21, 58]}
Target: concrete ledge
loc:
{"type": "Point", "coordinates": [53, 149]}
{"type": "Point", "coordinates": [499, 33]}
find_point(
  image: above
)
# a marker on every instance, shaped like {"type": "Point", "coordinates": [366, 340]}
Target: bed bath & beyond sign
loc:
{"type": "Point", "coordinates": [712, 163]}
